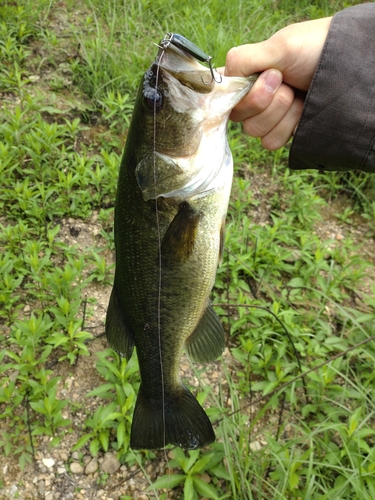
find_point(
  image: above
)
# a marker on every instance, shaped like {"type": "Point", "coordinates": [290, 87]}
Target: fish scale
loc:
{"type": "Point", "coordinates": [172, 198]}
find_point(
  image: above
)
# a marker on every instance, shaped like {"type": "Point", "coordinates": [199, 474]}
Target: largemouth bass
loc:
{"type": "Point", "coordinates": [172, 198]}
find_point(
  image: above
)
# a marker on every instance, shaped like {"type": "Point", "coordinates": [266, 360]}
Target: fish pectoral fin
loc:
{"type": "Point", "coordinates": [118, 334]}
{"type": "Point", "coordinates": [178, 242]}
{"type": "Point", "coordinates": [157, 174]}
{"type": "Point", "coordinates": [177, 419]}
{"type": "Point", "coordinates": [207, 342]}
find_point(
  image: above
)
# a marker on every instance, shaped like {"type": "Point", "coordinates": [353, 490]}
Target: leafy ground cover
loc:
{"type": "Point", "coordinates": [292, 397]}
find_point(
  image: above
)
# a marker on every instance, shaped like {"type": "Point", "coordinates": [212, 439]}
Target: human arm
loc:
{"type": "Point", "coordinates": [336, 120]}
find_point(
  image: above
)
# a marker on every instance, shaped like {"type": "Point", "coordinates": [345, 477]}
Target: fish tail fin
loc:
{"type": "Point", "coordinates": [180, 421]}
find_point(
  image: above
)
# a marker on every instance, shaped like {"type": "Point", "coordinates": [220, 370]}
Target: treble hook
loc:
{"type": "Point", "coordinates": [186, 45]}
{"type": "Point", "coordinates": [212, 73]}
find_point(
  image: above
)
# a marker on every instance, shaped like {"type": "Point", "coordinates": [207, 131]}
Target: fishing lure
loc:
{"type": "Point", "coordinates": [186, 45]}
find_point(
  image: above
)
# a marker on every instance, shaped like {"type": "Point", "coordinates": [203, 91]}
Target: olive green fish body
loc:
{"type": "Point", "coordinates": [169, 223]}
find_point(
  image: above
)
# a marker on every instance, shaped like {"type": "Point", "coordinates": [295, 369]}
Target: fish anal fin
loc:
{"type": "Point", "coordinates": [179, 239]}
{"type": "Point", "coordinates": [207, 342]}
{"type": "Point", "coordinates": [178, 419]}
{"type": "Point", "coordinates": [118, 334]}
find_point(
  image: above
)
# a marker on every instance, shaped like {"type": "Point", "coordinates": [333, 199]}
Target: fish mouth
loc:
{"type": "Point", "coordinates": [225, 93]}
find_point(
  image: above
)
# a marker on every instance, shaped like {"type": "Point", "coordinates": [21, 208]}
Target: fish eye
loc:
{"type": "Point", "coordinates": [153, 98]}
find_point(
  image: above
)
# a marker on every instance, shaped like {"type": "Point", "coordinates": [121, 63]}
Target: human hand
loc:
{"type": "Point", "coordinates": [287, 62]}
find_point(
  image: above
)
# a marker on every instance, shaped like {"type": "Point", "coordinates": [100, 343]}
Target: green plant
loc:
{"type": "Point", "coordinates": [194, 466]}
{"type": "Point", "coordinates": [115, 416]}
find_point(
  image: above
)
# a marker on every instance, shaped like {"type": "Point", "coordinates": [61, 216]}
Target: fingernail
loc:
{"type": "Point", "coordinates": [273, 80]}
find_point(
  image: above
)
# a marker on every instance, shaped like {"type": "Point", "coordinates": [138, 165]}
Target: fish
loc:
{"type": "Point", "coordinates": [172, 197]}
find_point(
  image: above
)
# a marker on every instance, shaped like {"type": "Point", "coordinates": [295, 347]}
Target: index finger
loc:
{"type": "Point", "coordinates": [248, 59]}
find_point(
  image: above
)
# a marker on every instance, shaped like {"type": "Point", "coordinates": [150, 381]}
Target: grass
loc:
{"type": "Point", "coordinates": [293, 300]}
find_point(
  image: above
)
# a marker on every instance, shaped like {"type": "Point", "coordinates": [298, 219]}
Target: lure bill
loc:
{"type": "Point", "coordinates": [172, 198]}
{"type": "Point", "coordinates": [187, 46]}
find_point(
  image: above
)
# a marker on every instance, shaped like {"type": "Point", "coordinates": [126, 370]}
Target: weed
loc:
{"type": "Point", "coordinates": [117, 414]}
{"type": "Point", "coordinates": [194, 466]}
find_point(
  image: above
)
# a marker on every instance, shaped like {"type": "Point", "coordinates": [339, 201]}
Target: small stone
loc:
{"type": "Point", "coordinates": [206, 478]}
{"type": "Point", "coordinates": [41, 488]}
{"type": "Point", "coordinates": [110, 463]}
{"type": "Point", "coordinates": [61, 470]}
{"type": "Point", "coordinates": [91, 466]}
{"type": "Point", "coordinates": [255, 446]}
{"type": "Point", "coordinates": [49, 496]}
{"type": "Point", "coordinates": [75, 455]}
{"type": "Point", "coordinates": [63, 456]}
{"type": "Point", "coordinates": [48, 462]}
{"type": "Point", "coordinates": [76, 468]}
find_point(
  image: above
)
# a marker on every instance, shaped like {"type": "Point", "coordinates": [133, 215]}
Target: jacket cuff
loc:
{"type": "Point", "coordinates": [337, 127]}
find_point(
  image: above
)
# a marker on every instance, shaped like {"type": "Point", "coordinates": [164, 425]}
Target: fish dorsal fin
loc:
{"type": "Point", "coordinates": [118, 334]}
{"type": "Point", "coordinates": [178, 242]}
{"type": "Point", "coordinates": [207, 342]}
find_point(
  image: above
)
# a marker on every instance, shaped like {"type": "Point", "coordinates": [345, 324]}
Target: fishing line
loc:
{"type": "Point", "coordinates": [159, 252]}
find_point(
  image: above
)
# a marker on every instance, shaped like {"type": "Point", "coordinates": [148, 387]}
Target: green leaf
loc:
{"type": "Point", "coordinates": [270, 387]}
{"type": "Point", "coordinates": [104, 439]}
{"type": "Point", "coordinates": [296, 283]}
{"type": "Point", "coordinates": [354, 420]}
{"type": "Point", "coordinates": [102, 391]}
{"type": "Point", "coordinates": [120, 433]}
{"type": "Point", "coordinates": [204, 489]}
{"type": "Point", "coordinates": [293, 480]}
{"type": "Point", "coordinates": [112, 416]}
{"type": "Point", "coordinates": [193, 455]}
{"type": "Point", "coordinates": [200, 465]}
{"type": "Point", "coordinates": [81, 442]}
{"type": "Point", "coordinates": [94, 447]}
{"type": "Point", "coordinates": [220, 471]}
{"type": "Point", "coordinates": [169, 481]}
{"type": "Point", "coordinates": [189, 490]}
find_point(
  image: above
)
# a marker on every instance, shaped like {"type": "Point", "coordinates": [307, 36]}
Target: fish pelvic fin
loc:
{"type": "Point", "coordinates": [207, 342]}
{"type": "Point", "coordinates": [180, 421]}
{"type": "Point", "coordinates": [118, 334]}
{"type": "Point", "coordinates": [222, 240]}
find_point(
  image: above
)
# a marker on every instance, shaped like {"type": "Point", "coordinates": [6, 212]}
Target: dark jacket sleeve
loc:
{"type": "Point", "coordinates": [337, 126]}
